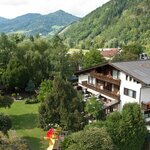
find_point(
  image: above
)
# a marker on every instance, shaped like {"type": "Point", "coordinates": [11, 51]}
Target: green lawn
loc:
{"type": "Point", "coordinates": [25, 122]}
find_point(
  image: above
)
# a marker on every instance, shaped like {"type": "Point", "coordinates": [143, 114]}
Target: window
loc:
{"type": "Point", "coordinates": [130, 78]}
{"type": "Point", "coordinates": [130, 93]}
{"type": "Point", "coordinates": [126, 77]}
{"type": "Point", "coordinates": [115, 74]}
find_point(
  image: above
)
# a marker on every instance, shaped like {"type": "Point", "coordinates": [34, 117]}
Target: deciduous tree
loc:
{"type": "Point", "coordinates": [92, 58]}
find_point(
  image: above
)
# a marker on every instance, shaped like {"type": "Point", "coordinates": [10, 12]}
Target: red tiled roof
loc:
{"type": "Point", "coordinates": [109, 52]}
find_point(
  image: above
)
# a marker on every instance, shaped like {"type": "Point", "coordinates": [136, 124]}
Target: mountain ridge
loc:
{"type": "Point", "coordinates": [34, 23]}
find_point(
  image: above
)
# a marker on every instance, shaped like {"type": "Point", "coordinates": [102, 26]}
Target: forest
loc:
{"type": "Point", "coordinates": [116, 23]}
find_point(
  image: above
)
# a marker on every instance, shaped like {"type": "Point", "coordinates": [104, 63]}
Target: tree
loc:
{"type": "Point", "coordinates": [7, 48]}
{"type": "Point", "coordinates": [94, 107]}
{"type": "Point", "coordinates": [5, 123]}
{"type": "Point", "coordinates": [130, 52]}
{"type": "Point", "coordinates": [59, 58]}
{"type": "Point", "coordinates": [6, 101]}
{"type": "Point", "coordinates": [134, 48]}
{"type": "Point", "coordinates": [45, 88]}
{"type": "Point", "coordinates": [30, 86]}
{"type": "Point", "coordinates": [62, 106]}
{"type": "Point", "coordinates": [92, 58]}
{"type": "Point", "coordinates": [133, 123]}
{"type": "Point", "coordinates": [92, 139]}
{"type": "Point", "coordinates": [76, 60]}
{"type": "Point", "coordinates": [128, 129]}
{"type": "Point", "coordinates": [113, 126]}
{"type": "Point", "coordinates": [16, 74]}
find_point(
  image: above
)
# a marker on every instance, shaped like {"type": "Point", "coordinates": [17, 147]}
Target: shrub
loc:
{"type": "Point", "coordinates": [92, 139]}
{"type": "Point", "coordinates": [31, 101]}
{"type": "Point", "coordinates": [6, 101]}
{"type": "Point", "coordinates": [5, 123]}
{"type": "Point", "coordinates": [12, 143]}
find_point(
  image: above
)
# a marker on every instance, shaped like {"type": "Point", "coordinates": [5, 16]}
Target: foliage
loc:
{"type": "Point", "coordinates": [30, 86]}
{"type": "Point", "coordinates": [127, 128]}
{"type": "Point", "coordinates": [59, 58]}
{"type": "Point", "coordinates": [95, 124]}
{"type": "Point", "coordinates": [5, 123]}
{"type": "Point", "coordinates": [32, 100]}
{"type": "Point", "coordinates": [92, 58]}
{"type": "Point", "coordinates": [16, 74]}
{"type": "Point", "coordinates": [94, 107]}
{"type": "Point", "coordinates": [6, 101]}
{"type": "Point", "coordinates": [62, 106]}
{"type": "Point", "coordinates": [13, 142]}
{"type": "Point", "coordinates": [44, 89]}
{"type": "Point", "coordinates": [130, 52]}
{"type": "Point", "coordinates": [96, 138]}
{"type": "Point", "coordinates": [26, 62]}
{"type": "Point", "coordinates": [76, 60]}
{"type": "Point", "coordinates": [128, 20]}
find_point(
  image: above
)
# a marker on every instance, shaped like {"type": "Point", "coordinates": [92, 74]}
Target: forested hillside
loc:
{"type": "Point", "coordinates": [37, 23]}
{"type": "Point", "coordinates": [116, 23]}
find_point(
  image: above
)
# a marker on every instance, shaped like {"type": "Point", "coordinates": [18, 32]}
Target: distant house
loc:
{"type": "Point", "coordinates": [109, 53]}
{"type": "Point", "coordinates": [118, 83]}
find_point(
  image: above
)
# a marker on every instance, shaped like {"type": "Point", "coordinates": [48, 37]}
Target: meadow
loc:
{"type": "Point", "coordinates": [25, 122]}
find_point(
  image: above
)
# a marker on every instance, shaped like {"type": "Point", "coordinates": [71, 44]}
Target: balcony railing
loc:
{"type": "Point", "coordinates": [102, 91]}
{"type": "Point", "coordinates": [105, 78]}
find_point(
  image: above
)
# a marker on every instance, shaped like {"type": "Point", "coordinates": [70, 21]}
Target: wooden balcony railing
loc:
{"type": "Point", "coordinates": [102, 91]}
{"type": "Point", "coordinates": [105, 78]}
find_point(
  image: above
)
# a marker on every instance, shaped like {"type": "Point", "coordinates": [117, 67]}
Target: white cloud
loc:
{"type": "Point", "coordinates": [13, 8]}
{"type": "Point", "coordinates": [13, 2]}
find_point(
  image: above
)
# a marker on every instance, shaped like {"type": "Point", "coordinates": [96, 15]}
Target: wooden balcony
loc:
{"type": "Point", "coordinates": [105, 78]}
{"type": "Point", "coordinates": [145, 107]}
{"type": "Point", "coordinates": [101, 91]}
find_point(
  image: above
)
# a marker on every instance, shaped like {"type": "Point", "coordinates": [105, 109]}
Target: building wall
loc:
{"type": "Point", "coordinates": [142, 94]}
{"type": "Point", "coordinates": [83, 77]}
{"type": "Point", "coordinates": [145, 94]}
{"type": "Point", "coordinates": [131, 84]}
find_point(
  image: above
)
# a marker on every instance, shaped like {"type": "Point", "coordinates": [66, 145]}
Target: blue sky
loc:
{"type": "Point", "coordinates": [14, 8]}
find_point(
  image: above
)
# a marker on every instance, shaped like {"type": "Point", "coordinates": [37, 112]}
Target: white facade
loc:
{"type": "Point", "coordinates": [131, 89]}
{"type": "Point", "coordinates": [83, 77]}
{"type": "Point", "coordinates": [129, 83]}
{"type": "Point", "coordinates": [145, 94]}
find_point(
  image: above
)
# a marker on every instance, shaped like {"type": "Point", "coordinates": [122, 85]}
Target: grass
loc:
{"type": "Point", "coordinates": [73, 50]}
{"type": "Point", "coordinates": [25, 122]}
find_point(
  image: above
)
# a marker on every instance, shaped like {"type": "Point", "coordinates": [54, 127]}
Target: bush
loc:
{"type": "Point", "coordinates": [92, 139]}
{"type": "Point", "coordinates": [5, 123]}
{"type": "Point", "coordinates": [13, 94]}
{"type": "Point", "coordinates": [31, 101]}
{"type": "Point", "coordinates": [6, 101]}
{"type": "Point", "coordinates": [12, 143]}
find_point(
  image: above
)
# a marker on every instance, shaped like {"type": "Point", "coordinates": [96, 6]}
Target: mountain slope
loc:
{"type": "Point", "coordinates": [115, 23]}
{"type": "Point", "coordinates": [37, 23]}
{"type": "Point", "coordinates": [3, 20]}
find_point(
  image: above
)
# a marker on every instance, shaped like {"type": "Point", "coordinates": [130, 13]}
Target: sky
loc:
{"type": "Point", "coordinates": [13, 8]}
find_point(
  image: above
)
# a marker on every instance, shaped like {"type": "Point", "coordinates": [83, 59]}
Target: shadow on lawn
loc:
{"type": "Point", "coordinates": [35, 143]}
{"type": "Point", "coordinates": [25, 121]}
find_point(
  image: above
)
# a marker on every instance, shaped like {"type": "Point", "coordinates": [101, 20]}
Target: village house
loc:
{"type": "Point", "coordinates": [109, 53]}
{"type": "Point", "coordinates": [118, 83]}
